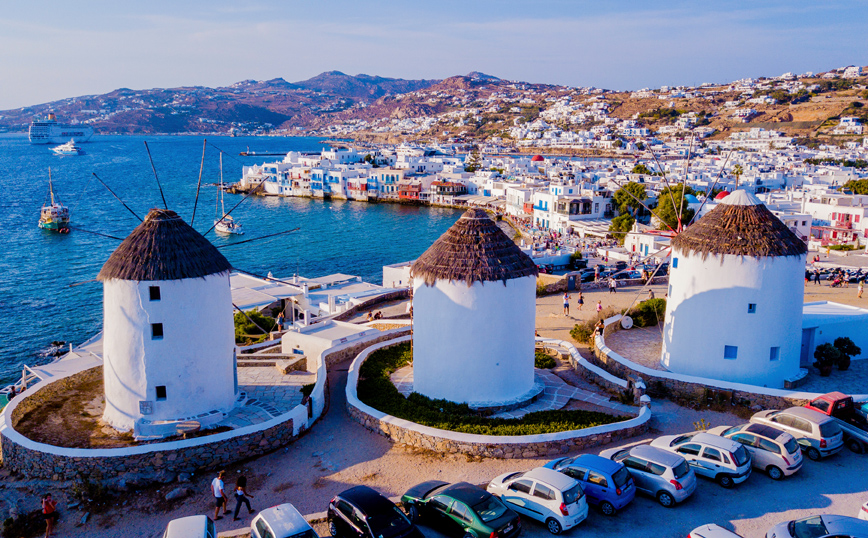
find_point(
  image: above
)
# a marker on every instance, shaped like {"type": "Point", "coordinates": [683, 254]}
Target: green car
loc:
{"type": "Point", "coordinates": [460, 509]}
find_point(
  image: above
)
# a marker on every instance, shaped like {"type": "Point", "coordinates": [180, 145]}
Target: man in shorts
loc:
{"type": "Point", "coordinates": [219, 492]}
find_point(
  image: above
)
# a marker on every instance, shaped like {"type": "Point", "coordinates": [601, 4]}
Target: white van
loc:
{"type": "Point", "coordinates": [191, 527]}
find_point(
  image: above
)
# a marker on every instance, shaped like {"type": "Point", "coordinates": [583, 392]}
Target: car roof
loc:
{"type": "Point", "coordinates": [715, 441]}
{"type": "Point", "coordinates": [598, 463]}
{"type": "Point", "coordinates": [366, 499]}
{"type": "Point", "coordinates": [765, 430]}
{"type": "Point", "coordinates": [808, 414]}
{"type": "Point", "coordinates": [551, 477]}
{"type": "Point", "coordinates": [837, 524]}
{"type": "Point", "coordinates": [467, 493]}
{"type": "Point", "coordinates": [284, 517]}
{"type": "Point", "coordinates": [187, 526]}
{"type": "Point", "coordinates": [657, 455]}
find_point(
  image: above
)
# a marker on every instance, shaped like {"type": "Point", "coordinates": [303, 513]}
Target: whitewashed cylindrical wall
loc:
{"type": "Point", "coordinates": [193, 360]}
{"type": "Point", "coordinates": [474, 344]}
{"type": "Point", "coordinates": [708, 308]}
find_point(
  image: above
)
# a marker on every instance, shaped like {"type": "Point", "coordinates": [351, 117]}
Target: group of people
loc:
{"type": "Point", "coordinates": [372, 316]}
{"type": "Point", "coordinates": [580, 302]}
{"type": "Point", "coordinates": [218, 489]}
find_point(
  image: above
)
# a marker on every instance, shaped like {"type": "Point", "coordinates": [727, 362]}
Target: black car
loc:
{"type": "Point", "coordinates": [461, 509]}
{"type": "Point", "coordinates": [361, 512]}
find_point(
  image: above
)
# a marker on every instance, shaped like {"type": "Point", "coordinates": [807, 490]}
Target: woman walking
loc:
{"type": "Point", "coordinates": [241, 496]}
{"type": "Point", "coordinates": [581, 301]}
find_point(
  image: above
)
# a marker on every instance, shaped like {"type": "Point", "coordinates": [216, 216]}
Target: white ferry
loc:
{"type": "Point", "coordinates": [48, 131]}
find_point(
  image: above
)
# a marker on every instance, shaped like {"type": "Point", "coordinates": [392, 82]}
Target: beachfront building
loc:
{"type": "Point", "coordinates": [168, 331]}
{"type": "Point", "coordinates": [734, 309]}
{"type": "Point", "coordinates": [474, 315]}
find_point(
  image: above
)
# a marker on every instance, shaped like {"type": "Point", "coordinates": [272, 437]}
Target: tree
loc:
{"type": "Point", "coordinates": [626, 204]}
{"type": "Point", "coordinates": [640, 169]}
{"type": "Point", "coordinates": [848, 349]}
{"type": "Point", "coordinates": [737, 171]}
{"type": "Point", "coordinates": [857, 186]}
{"type": "Point", "coordinates": [620, 226]}
{"type": "Point", "coordinates": [473, 163]}
{"type": "Point", "coordinates": [618, 143]}
{"type": "Point", "coordinates": [666, 210]}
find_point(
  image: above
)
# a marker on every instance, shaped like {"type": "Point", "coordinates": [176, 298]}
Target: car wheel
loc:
{"type": "Point", "coordinates": [607, 508]}
{"type": "Point", "coordinates": [774, 472]}
{"type": "Point", "coordinates": [468, 535]}
{"type": "Point", "coordinates": [413, 513]}
{"type": "Point", "coordinates": [553, 526]}
{"type": "Point", "coordinates": [333, 529]}
{"type": "Point", "coordinates": [666, 499]}
{"type": "Point", "coordinates": [725, 481]}
{"type": "Point", "coordinates": [813, 454]}
{"type": "Point", "coordinates": [856, 446]}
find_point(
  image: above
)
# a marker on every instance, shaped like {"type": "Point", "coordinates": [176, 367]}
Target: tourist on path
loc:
{"type": "Point", "coordinates": [816, 277]}
{"type": "Point", "coordinates": [241, 496]}
{"type": "Point", "coordinates": [566, 304]}
{"type": "Point", "coordinates": [280, 322]}
{"type": "Point", "coordinates": [858, 295]}
{"type": "Point", "coordinates": [581, 301]}
{"type": "Point", "coordinates": [600, 327]}
{"type": "Point", "coordinates": [49, 513]}
{"type": "Point", "coordinates": [218, 489]}
{"type": "Point", "coordinates": [650, 294]}
{"type": "Point", "coordinates": [599, 306]}
{"type": "Point", "coordinates": [613, 285]}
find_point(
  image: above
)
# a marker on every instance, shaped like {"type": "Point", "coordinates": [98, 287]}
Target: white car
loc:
{"type": "Point", "coordinates": [712, 531]}
{"type": "Point", "coordinates": [822, 526]}
{"type": "Point", "coordinates": [712, 456]}
{"type": "Point", "coordinates": [191, 527]}
{"type": "Point", "coordinates": [863, 512]}
{"type": "Point", "coordinates": [772, 451]}
{"type": "Point", "coordinates": [281, 521]}
{"type": "Point", "coordinates": [544, 495]}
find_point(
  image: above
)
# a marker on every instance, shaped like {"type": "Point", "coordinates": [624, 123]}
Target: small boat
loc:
{"type": "Point", "coordinates": [225, 223]}
{"type": "Point", "coordinates": [54, 217]}
{"type": "Point", "coordinates": [68, 149]}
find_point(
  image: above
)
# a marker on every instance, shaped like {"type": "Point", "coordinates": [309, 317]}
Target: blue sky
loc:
{"type": "Point", "coordinates": [51, 50]}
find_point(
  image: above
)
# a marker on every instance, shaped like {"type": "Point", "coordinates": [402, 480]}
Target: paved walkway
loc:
{"type": "Point", "coordinates": [556, 395]}
{"type": "Point", "coordinates": [269, 394]}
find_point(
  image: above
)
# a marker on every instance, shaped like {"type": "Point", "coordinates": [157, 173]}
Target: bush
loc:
{"type": "Point", "coordinates": [848, 349]}
{"type": "Point", "coordinates": [582, 332]}
{"type": "Point", "coordinates": [648, 313]}
{"type": "Point", "coordinates": [376, 389]}
{"type": "Point", "coordinates": [307, 390]}
{"type": "Point", "coordinates": [244, 327]}
{"type": "Point", "coordinates": [845, 248]}
{"type": "Point", "coordinates": [826, 355]}
{"type": "Point", "coordinates": [543, 360]}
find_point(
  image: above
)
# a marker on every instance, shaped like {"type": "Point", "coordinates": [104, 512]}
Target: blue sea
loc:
{"type": "Point", "coordinates": [46, 288]}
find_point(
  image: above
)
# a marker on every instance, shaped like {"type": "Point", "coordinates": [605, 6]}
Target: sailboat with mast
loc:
{"type": "Point", "coordinates": [54, 217]}
{"type": "Point", "coordinates": [225, 223]}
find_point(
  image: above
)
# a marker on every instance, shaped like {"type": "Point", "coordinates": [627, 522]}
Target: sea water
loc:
{"type": "Point", "coordinates": [47, 291]}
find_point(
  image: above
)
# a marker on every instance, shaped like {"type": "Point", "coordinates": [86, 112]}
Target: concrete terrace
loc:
{"type": "Point", "coordinates": [269, 394]}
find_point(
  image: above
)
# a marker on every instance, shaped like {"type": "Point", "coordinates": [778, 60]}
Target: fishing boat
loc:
{"type": "Point", "coordinates": [54, 217]}
{"type": "Point", "coordinates": [225, 223]}
{"type": "Point", "coordinates": [68, 149]}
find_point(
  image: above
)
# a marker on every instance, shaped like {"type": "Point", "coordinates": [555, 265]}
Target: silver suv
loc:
{"type": "Point", "coordinates": [656, 472]}
{"type": "Point", "coordinates": [819, 435]}
{"type": "Point", "coordinates": [712, 456]}
{"type": "Point", "coordinates": [772, 451]}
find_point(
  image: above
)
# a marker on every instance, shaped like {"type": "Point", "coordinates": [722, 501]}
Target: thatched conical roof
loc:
{"type": "Point", "coordinates": [740, 225]}
{"type": "Point", "coordinates": [163, 247]}
{"type": "Point", "coordinates": [473, 249]}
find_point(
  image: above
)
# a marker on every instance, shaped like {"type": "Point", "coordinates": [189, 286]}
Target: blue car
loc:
{"type": "Point", "coordinates": [607, 484]}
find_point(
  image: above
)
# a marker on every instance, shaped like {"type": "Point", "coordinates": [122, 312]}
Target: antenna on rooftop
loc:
{"type": "Point", "coordinates": [154, 168]}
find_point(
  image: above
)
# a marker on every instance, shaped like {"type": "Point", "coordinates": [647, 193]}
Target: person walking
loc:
{"type": "Point", "coordinates": [566, 304]}
{"type": "Point", "coordinates": [218, 489]}
{"type": "Point", "coordinates": [816, 277]}
{"type": "Point", "coordinates": [613, 285]}
{"type": "Point", "coordinates": [241, 497]}
{"type": "Point", "coordinates": [599, 306]}
{"type": "Point", "coordinates": [49, 513]}
{"type": "Point", "coordinates": [581, 301]}
{"type": "Point", "coordinates": [858, 294]}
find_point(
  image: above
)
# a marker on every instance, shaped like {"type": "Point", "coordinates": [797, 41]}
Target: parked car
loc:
{"type": "Point", "coordinates": [818, 434]}
{"type": "Point", "coordinates": [281, 521]}
{"type": "Point", "coordinates": [656, 472]}
{"type": "Point", "coordinates": [772, 451]}
{"type": "Point", "coordinates": [461, 509]}
{"type": "Point", "coordinates": [863, 512]}
{"type": "Point", "coordinates": [851, 417]}
{"type": "Point", "coordinates": [712, 456]}
{"type": "Point", "coordinates": [361, 512]}
{"type": "Point", "coordinates": [607, 484]}
{"type": "Point", "coordinates": [822, 526]}
{"type": "Point", "coordinates": [712, 531]}
{"type": "Point", "coordinates": [191, 527]}
{"type": "Point", "coordinates": [544, 495]}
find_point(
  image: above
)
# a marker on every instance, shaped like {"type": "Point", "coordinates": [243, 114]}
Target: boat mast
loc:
{"type": "Point", "coordinates": [222, 202]}
{"type": "Point", "coordinates": [50, 186]}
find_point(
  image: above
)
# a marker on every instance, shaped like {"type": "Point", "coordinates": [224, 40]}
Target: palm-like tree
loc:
{"type": "Point", "coordinates": [737, 171]}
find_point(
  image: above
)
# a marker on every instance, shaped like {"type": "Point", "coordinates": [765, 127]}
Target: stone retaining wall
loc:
{"type": "Point", "coordinates": [523, 446]}
{"type": "Point", "coordinates": [347, 314]}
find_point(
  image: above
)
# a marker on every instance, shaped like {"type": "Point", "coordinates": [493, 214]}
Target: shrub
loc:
{"type": "Point", "coordinates": [543, 360]}
{"type": "Point", "coordinates": [848, 349]}
{"type": "Point", "coordinates": [540, 288]}
{"type": "Point", "coordinates": [845, 248]}
{"type": "Point", "coordinates": [306, 390]}
{"type": "Point", "coordinates": [648, 313]}
{"type": "Point", "coordinates": [582, 332]}
{"type": "Point", "coordinates": [826, 355]}
{"type": "Point", "coordinates": [252, 324]}
{"type": "Point", "coordinates": [375, 389]}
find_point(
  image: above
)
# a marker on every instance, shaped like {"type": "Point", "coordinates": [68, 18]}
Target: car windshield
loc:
{"type": "Point", "coordinates": [811, 527]}
{"type": "Point", "coordinates": [741, 456]}
{"type": "Point", "coordinates": [829, 429]}
{"type": "Point", "coordinates": [564, 463]}
{"type": "Point", "coordinates": [732, 430]}
{"type": "Point", "coordinates": [305, 534]}
{"type": "Point", "coordinates": [621, 477]}
{"type": "Point", "coordinates": [791, 446]}
{"type": "Point", "coordinates": [681, 439]}
{"type": "Point", "coordinates": [388, 523]}
{"type": "Point", "coordinates": [490, 509]}
{"type": "Point", "coordinates": [573, 494]}
{"type": "Point", "coordinates": [681, 469]}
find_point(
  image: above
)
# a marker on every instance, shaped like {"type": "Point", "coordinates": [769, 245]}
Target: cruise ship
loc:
{"type": "Point", "coordinates": [48, 131]}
